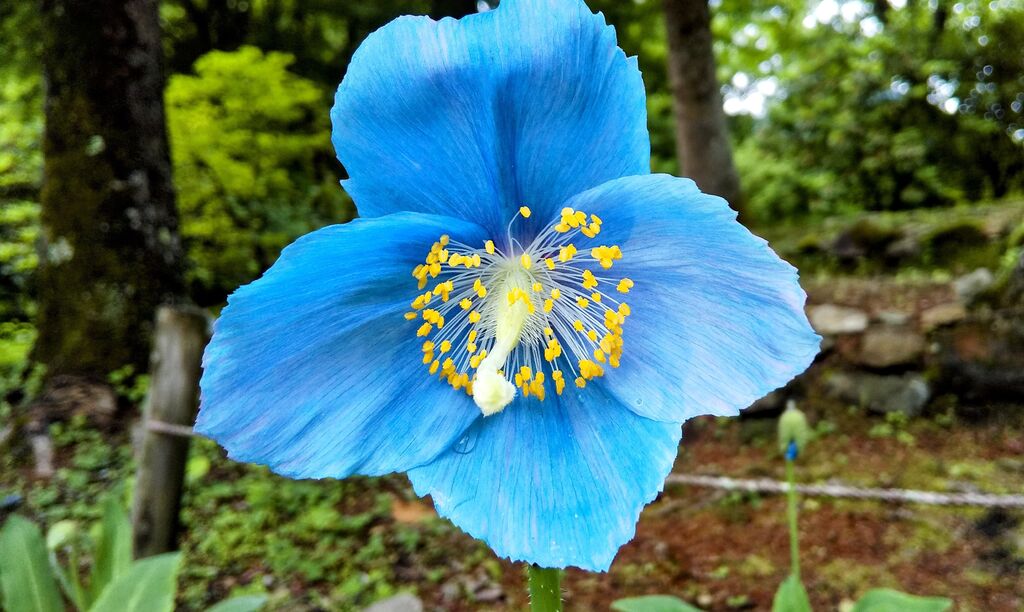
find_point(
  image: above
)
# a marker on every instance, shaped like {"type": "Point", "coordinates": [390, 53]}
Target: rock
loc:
{"type": "Point", "coordinates": [907, 247]}
{"type": "Point", "coordinates": [981, 359]}
{"type": "Point", "coordinates": [889, 346]}
{"type": "Point", "coordinates": [893, 317]}
{"type": "Point", "coordinates": [830, 319]}
{"type": "Point", "coordinates": [403, 602]}
{"type": "Point", "coordinates": [942, 315]}
{"type": "Point", "coordinates": [973, 284]}
{"type": "Point", "coordinates": [1013, 293]}
{"type": "Point", "coordinates": [907, 394]}
{"type": "Point", "coordinates": [864, 238]}
{"type": "Point", "coordinates": [772, 403]}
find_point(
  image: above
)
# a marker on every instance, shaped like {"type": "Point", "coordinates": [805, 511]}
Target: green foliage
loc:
{"type": "Point", "coordinates": [112, 548]}
{"type": "Point", "coordinates": [896, 108]}
{"type": "Point", "coordinates": [791, 596]}
{"type": "Point", "coordinates": [888, 600]}
{"type": "Point", "coordinates": [242, 603]}
{"type": "Point", "coordinates": [147, 586]}
{"type": "Point", "coordinates": [29, 578]}
{"type": "Point", "coordinates": [25, 579]}
{"type": "Point", "coordinates": [252, 162]}
{"type": "Point", "coordinates": [653, 603]}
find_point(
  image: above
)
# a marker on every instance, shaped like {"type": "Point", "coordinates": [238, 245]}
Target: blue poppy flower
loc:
{"type": "Point", "coordinates": [524, 316]}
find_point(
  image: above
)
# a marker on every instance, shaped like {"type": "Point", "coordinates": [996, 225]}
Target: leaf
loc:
{"type": "Point", "coordinates": [791, 597]}
{"type": "Point", "coordinates": [653, 603]}
{"type": "Point", "coordinates": [113, 552]}
{"type": "Point", "coordinates": [25, 579]}
{"type": "Point", "coordinates": [888, 600]}
{"type": "Point", "coordinates": [148, 586]}
{"type": "Point", "coordinates": [242, 603]}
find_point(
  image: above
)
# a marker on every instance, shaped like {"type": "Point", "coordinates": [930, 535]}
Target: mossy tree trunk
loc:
{"type": "Point", "coordinates": [702, 136]}
{"type": "Point", "coordinates": [110, 248]}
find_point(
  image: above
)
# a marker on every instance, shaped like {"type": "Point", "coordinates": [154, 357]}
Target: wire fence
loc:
{"type": "Point", "coordinates": [767, 485]}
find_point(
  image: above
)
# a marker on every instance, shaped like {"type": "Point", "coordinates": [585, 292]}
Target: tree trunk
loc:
{"type": "Point", "coordinates": [702, 137]}
{"type": "Point", "coordinates": [110, 252]}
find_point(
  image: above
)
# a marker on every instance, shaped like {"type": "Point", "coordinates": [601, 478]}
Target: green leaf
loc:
{"type": "Point", "coordinates": [25, 579]}
{"type": "Point", "coordinates": [653, 603]}
{"type": "Point", "coordinates": [242, 603]}
{"type": "Point", "coordinates": [147, 586]}
{"type": "Point", "coordinates": [791, 597]}
{"type": "Point", "coordinates": [113, 552]}
{"type": "Point", "coordinates": [888, 600]}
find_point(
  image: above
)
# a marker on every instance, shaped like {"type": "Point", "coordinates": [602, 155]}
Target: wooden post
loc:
{"type": "Point", "coordinates": [169, 412]}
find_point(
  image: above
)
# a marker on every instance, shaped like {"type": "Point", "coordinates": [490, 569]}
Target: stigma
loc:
{"type": "Point", "coordinates": [497, 322]}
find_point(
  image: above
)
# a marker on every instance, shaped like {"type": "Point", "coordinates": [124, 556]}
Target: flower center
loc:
{"type": "Point", "coordinates": [522, 318]}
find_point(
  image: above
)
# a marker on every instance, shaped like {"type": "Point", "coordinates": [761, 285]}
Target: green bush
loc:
{"type": "Point", "coordinates": [253, 164]}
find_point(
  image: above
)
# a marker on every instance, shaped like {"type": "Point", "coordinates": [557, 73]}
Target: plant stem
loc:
{"type": "Point", "coordinates": [545, 589]}
{"type": "Point", "coordinates": [794, 544]}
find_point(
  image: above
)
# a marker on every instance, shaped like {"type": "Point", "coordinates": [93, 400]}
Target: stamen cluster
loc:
{"type": "Point", "coordinates": [532, 315]}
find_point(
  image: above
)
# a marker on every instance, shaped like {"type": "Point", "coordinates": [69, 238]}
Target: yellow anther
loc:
{"type": "Point", "coordinates": [586, 231]}
{"type": "Point", "coordinates": [489, 247]}
{"type": "Point", "coordinates": [550, 263]}
{"type": "Point", "coordinates": [440, 322]}
{"type": "Point", "coordinates": [595, 219]}
{"type": "Point", "coordinates": [526, 261]}
{"type": "Point", "coordinates": [624, 285]}
{"type": "Point", "coordinates": [582, 302]}
{"type": "Point", "coordinates": [428, 357]}
{"type": "Point", "coordinates": [428, 346]}
{"type": "Point", "coordinates": [470, 347]}
{"type": "Point", "coordinates": [455, 259]}
{"type": "Point", "coordinates": [466, 303]}
{"type": "Point", "coordinates": [548, 305]}
{"type": "Point", "coordinates": [599, 355]}
{"type": "Point", "coordinates": [525, 211]}
{"type": "Point", "coordinates": [580, 382]}
{"type": "Point", "coordinates": [561, 228]}
{"type": "Point", "coordinates": [472, 335]}
{"type": "Point", "coordinates": [444, 240]}
{"type": "Point", "coordinates": [476, 260]}
{"type": "Point", "coordinates": [567, 212]}
{"type": "Point", "coordinates": [434, 366]}
{"type": "Point", "coordinates": [592, 335]}
{"type": "Point", "coordinates": [409, 316]}
{"type": "Point", "coordinates": [443, 256]}
{"type": "Point", "coordinates": [538, 287]}
{"type": "Point", "coordinates": [424, 329]}
{"type": "Point", "coordinates": [447, 365]}
{"type": "Point", "coordinates": [578, 325]}
{"type": "Point", "coordinates": [548, 331]}
{"type": "Point", "coordinates": [445, 346]}
{"type": "Point", "coordinates": [589, 280]}
{"type": "Point", "coordinates": [559, 384]}
{"type": "Point", "coordinates": [556, 293]}
{"type": "Point", "coordinates": [624, 309]}
{"type": "Point", "coordinates": [596, 297]}
{"type": "Point", "coordinates": [474, 317]}
{"type": "Point", "coordinates": [435, 269]}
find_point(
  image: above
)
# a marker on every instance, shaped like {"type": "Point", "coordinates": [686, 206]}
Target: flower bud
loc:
{"type": "Point", "coordinates": [794, 433]}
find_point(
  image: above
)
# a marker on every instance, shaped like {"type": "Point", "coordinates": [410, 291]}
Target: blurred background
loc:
{"type": "Point", "coordinates": [164, 152]}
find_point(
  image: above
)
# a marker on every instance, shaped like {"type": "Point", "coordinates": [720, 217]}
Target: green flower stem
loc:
{"type": "Point", "coordinates": [545, 589]}
{"type": "Point", "coordinates": [794, 544]}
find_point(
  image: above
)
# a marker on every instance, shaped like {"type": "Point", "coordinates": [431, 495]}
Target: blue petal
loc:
{"type": "Point", "coordinates": [717, 318]}
{"type": "Point", "coordinates": [313, 370]}
{"type": "Point", "coordinates": [530, 103]}
{"type": "Point", "coordinates": [557, 483]}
